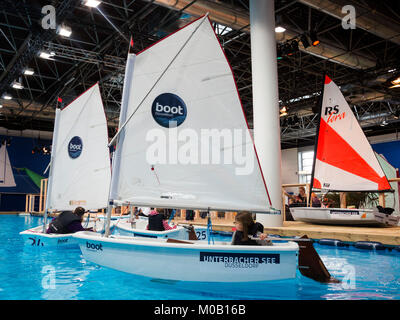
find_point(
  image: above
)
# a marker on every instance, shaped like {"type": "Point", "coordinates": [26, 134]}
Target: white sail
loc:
{"type": "Point", "coordinates": [6, 174]}
{"type": "Point", "coordinates": [80, 168]}
{"type": "Point", "coordinates": [344, 160]}
{"type": "Point", "coordinates": [186, 78]}
{"type": "Point", "coordinates": [391, 198]}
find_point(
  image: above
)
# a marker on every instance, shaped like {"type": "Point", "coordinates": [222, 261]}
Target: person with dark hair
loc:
{"type": "Point", "coordinates": [158, 222]}
{"type": "Point", "coordinates": [68, 222]}
{"type": "Point", "coordinates": [246, 228]}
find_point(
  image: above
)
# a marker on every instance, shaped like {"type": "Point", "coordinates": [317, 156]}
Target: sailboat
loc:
{"type": "Point", "coordinates": [6, 174]}
{"type": "Point", "coordinates": [80, 170]}
{"type": "Point", "coordinates": [179, 86]}
{"type": "Point", "coordinates": [343, 162]}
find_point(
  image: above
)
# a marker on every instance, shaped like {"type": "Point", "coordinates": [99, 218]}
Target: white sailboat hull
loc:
{"type": "Point", "coordinates": [339, 216]}
{"type": "Point", "coordinates": [125, 228]}
{"type": "Point", "coordinates": [35, 238]}
{"type": "Point", "coordinates": [198, 262]}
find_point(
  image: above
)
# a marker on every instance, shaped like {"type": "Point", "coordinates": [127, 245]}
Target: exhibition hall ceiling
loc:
{"type": "Point", "coordinates": [356, 42]}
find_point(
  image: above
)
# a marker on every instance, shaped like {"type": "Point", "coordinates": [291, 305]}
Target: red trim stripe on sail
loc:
{"type": "Point", "coordinates": [335, 151]}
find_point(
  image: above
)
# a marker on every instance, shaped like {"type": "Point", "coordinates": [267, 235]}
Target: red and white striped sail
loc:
{"type": "Point", "coordinates": [344, 158]}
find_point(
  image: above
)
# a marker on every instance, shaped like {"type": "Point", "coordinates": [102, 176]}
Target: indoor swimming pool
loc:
{"type": "Point", "coordinates": [34, 273]}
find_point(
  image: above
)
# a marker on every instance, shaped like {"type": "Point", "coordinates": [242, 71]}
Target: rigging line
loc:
{"type": "Point", "coordinates": [109, 21]}
{"type": "Point", "coordinates": [155, 173]}
{"type": "Point", "coordinates": [151, 89]}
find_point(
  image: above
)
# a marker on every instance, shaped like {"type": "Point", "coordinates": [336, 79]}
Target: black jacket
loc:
{"type": "Point", "coordinates": [60, 224]}
{"type": "Point", "coordinates": [156, 222]}
{"type": "Point", "coordinates": [253, 230]}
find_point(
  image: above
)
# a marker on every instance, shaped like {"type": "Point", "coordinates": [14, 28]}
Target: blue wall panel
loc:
{"type": "Point", "coordinates": [20, 154]}
{"type": "Point", "coordinates": [390, 150]}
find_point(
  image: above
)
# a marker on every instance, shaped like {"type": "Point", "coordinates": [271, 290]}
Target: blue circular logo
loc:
{"type": "Point", "coordinates": [169, 110]}
{"type": "Point", "coordinates": [75, 147]}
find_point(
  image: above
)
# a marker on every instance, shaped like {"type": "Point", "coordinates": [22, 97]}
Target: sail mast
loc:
{"type": "Point", "coordinates": [321, 97]}
{"type": "Point", "coordinates": [50, 179]}
{"type": "Point", "coordinates": [116, 159]}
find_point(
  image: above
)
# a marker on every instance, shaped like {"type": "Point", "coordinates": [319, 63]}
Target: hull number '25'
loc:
{"type": "Point", "coordinates": [201, 235]}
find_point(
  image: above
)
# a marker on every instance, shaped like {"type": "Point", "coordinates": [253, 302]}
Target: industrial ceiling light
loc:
{"type": "Point", "coordinates": [7, 96]}
{"type": "Point", "coordinates": [17, 85]}
{"type": "Point", "coordinates": [396, 82]}
{"type": "Point", "coordinates": [279, 28]}
{"type": "Point", "coordinates": [29, 72]}
{"type": "Point", "coordinates": [64, 31]}
{"type": "Point", "coordinates": [1, 106]}
{"type": "Point", "coordinates": [283, 111]}
{"type": "Point", "coordinates": [46, 55]}
{"type": "Point", "coordinates": [92, 3]}
{"type": "Point", "coordinates": [393, 82]}
{"type": "Point", "coordinates": [314, 38]}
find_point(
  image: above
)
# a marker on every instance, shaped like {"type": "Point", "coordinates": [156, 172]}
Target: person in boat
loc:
{"type": "Point", "coordinates": [328, 203]}
{"type": "Point", "coordinates": [157, 221]}
{"type": "Point", "coordinates": [297, 201]}
{"type": "Point", "coordinates": [301, 198]}
{"type": "Point", "coordinates": [68, 222]}
{"type": "Point", "coordinates": [246, 227]}
{"type": "Point", "coordinates": [315, 202]}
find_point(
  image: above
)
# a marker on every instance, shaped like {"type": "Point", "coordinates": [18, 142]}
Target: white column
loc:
{"type": "Point", "coordinates": [265, 102]}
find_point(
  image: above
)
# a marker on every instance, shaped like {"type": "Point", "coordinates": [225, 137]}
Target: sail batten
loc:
{"type": "Point", "coordinates": [179, 111]}
{"type": "Point", "coordinates": [344, 158]}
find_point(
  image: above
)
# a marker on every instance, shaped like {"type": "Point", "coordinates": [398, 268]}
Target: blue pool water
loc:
{"type": "Point", "coordinates": [34, 273]}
